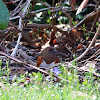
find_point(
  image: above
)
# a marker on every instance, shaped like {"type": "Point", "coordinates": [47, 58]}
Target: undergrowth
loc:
{"type": "Point", "coordinates": [31, 86]}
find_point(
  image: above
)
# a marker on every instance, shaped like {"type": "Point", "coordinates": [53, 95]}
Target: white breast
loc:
{"type": "Point", "coordinates": [44, 65]}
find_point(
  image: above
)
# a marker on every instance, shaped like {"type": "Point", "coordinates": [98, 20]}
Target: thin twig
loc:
{"type": "Point", "coordinates": [94, 55]}
{"type": "Point", "coordinates": [69, 17]}
{"type": "Point", "coordinates": [11, 18]}
{"type": "Point", "coordinates": [80, 69]}
{"type": "Point", "coordinates": [44, 26]}
{"type": "Point", "coordinates": [18, 6]}
{"type": "Point", "coordinates": [33, 12]}
{"type": "Point", "coordinates": [34, 67]}
{"type": "Point", "coordinates": [16, 47]}
{"type": "Point", "coordinates": [26, 7]}
{"type": "Point", "coordinates": [19, 10]}
{"type": "Point", "coordinates": [81, 21]}
{"type": "Point", "coordinates": [20, 28]}
{"type": "Point", "coordinates": [85, 52]}
{"type": "Point", "coordinates": [45, 4]}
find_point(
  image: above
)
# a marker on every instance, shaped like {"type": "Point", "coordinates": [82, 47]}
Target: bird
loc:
{"type": "Point", "coordinates": [47, 58]}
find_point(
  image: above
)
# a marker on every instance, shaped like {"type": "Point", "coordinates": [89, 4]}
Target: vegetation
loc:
{"type": "Point", "coordinates": [73, 37]}
{"type": "Point", "coordinates": [33, 88]}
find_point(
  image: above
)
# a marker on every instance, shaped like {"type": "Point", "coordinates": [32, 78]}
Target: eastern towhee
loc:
{"type": "Point", "coordinates": [47, 58]}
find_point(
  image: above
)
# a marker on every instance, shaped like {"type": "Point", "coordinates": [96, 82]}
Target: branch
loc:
{"type": "Point", "coordinates": [85, 52]}
{"type": "Point", "coordinates": [34, 67]}
{"type": "Point", "coordinates": [20, 28]}
{"type": "Point", "coordinates": [44, 26]}
{"type": "Point", "coordinates": [18, 6]}
{"type": "Point", "coordinates": [18, 41]}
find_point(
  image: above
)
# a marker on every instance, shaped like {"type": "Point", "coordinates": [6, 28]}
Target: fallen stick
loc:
{"type": "Point", "coordinates": [15, 59]}
{"type": "Point", "coordinates": [85, 52]}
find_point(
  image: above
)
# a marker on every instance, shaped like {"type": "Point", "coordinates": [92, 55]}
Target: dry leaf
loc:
{"type": "Point", "coordinates": [83, 4]}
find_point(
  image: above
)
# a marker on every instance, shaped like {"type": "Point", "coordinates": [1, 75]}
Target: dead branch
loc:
{"type": "Point", "coordinates": [20, 28]}
{"type": "Point", "coordinates": [34, 67]}
{"type": "Point", "coordinates": [93, 40]}
{"type": "Point", "coordinates": [44, 26]}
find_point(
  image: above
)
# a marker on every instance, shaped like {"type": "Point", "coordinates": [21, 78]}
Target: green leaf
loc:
{"type": "Point", "coordinates": [49, 12]}
{"type": "Point", "coordinates": [79, 17]}
{"type": "Point", "coordinates": [85, 82]}
{"type": "Point", "coordinates": [38, 6]}
{"type": "Point", "coordinates": [60, 13]}
{"type": "Point", "coordinates": [4, 16]}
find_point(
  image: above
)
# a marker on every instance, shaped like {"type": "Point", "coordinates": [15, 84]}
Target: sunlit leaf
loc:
{"type": "Point", "coordinates": [83, 4]}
